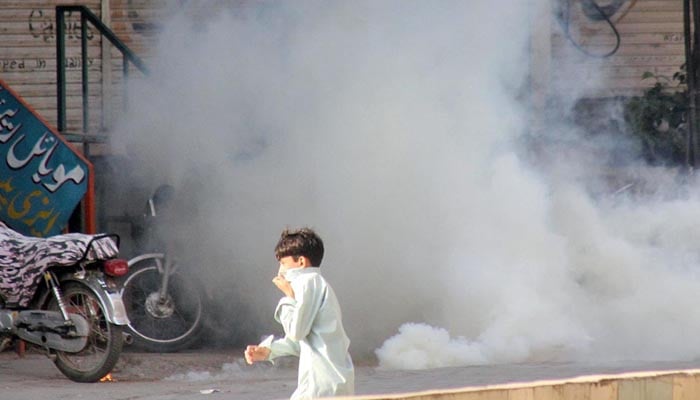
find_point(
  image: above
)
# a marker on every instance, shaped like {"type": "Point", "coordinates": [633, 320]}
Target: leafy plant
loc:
{"type": "Point", "coordinates": [659, 118]}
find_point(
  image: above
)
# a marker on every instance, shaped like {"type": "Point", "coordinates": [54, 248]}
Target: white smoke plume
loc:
{"type": "Point", "coordinates": [397, 130]}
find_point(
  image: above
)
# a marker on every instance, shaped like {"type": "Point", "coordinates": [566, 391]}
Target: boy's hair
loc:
{"type": "Point", "coordinates": [302, 242]}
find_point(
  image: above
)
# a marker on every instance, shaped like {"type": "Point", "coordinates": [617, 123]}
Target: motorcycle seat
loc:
{"type": "Point", "coordinates": [23, 259]}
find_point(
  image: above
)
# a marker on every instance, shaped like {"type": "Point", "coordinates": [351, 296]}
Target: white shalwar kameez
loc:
{"type": "Point", "coordinates": [314, 332]}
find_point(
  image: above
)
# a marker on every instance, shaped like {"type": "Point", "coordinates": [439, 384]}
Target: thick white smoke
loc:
{"type": "Point", "coordinates": [394, 129]}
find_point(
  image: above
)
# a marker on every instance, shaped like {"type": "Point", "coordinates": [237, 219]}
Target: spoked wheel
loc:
{"type": "Point", "coordinates": [161, 325]}
{"type": "Point", "coordinates": [104, 343]}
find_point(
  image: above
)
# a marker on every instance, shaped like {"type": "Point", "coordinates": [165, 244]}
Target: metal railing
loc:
{"type": "Point", "coordinates": [128, 57]}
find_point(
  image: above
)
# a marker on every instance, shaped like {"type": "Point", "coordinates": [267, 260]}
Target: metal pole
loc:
{"type": "Point", "coordinates": [106, 115]}
{"type": "Point", "coordinates": [60, 70]}
{"type": "Point", "coordinates": [84, 63]}
{"type": "Point", "coordinates": [693, 95]}
{"type": "Point", "coordinates": [690, 81]}
{"type": "Point", "coordinates": [125, 79]}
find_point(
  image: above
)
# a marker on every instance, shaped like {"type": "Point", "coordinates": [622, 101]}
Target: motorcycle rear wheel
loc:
{"type": "Point", "coordinates": [168, 327]}
{"type": "Point", "coordinates": [105, 340]}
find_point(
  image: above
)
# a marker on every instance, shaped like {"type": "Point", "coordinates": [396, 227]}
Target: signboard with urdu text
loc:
{"type": "Point", "coordinates": [42, 179]}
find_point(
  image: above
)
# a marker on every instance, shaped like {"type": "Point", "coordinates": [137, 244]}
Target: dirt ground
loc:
{"type": "Point", "coordinates": [138, 366]}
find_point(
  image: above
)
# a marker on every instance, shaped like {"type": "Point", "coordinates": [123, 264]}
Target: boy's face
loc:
{"type": "Point", "coordinates": [290, 262]}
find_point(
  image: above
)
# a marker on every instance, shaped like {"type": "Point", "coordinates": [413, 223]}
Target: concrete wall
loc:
{"type": "Point", "coordinates": [662, 385]}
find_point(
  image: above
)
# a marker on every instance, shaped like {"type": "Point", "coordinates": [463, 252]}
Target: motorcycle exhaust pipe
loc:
{"type": "Point", "coordinates": [128, 339]}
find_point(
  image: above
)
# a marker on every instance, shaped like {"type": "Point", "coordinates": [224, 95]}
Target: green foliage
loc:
{"type": "Point", "coordinates": [658, 118]}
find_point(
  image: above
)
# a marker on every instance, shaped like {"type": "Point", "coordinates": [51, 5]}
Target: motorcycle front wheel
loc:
{"type": "Point", "coordinates": [161, 325]}
{"type": "Point", "coordinates": [104, 343]}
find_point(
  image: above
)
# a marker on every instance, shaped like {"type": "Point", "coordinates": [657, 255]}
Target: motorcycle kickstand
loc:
{"type": "Point", "coordinates": [50, 354]}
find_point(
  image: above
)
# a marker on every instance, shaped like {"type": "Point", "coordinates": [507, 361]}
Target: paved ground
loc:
{"type": "Point", "coordinates": [192, 375]}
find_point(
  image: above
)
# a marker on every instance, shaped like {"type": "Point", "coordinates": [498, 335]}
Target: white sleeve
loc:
{"type": "Point", "coordinates": [298, 315]}
{"type": "Point", "coordinates": [280, 347]}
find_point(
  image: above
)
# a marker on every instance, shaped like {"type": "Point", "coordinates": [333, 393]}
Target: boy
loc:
{"type": "Point", "coordinates": [310, 315]}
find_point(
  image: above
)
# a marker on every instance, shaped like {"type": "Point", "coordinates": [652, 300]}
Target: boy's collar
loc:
{"type": "Point", "coordinates": [298, 271]}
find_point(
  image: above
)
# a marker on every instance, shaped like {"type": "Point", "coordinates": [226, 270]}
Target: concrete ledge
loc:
{"type": "Point", "coordinates": [652, 385]}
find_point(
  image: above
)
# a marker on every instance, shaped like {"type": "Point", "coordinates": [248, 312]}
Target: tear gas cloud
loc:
{"type": "Point", "coordinates": [396, 130]}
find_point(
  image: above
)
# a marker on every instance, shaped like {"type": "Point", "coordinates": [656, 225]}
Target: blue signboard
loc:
{"type": "Point", "coordinates": [42, 179]}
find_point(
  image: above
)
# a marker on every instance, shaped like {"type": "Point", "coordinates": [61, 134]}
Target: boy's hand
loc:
{"type": "Point", "coordinates": [283, 285]}
{"type": "Point", "coordinates": [256, 353]}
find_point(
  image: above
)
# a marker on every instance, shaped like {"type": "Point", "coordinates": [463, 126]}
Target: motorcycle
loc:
{"type": "Point", "coordinates": [60, 294]}
{"type": "Point", "coordinates": [164, 302]}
